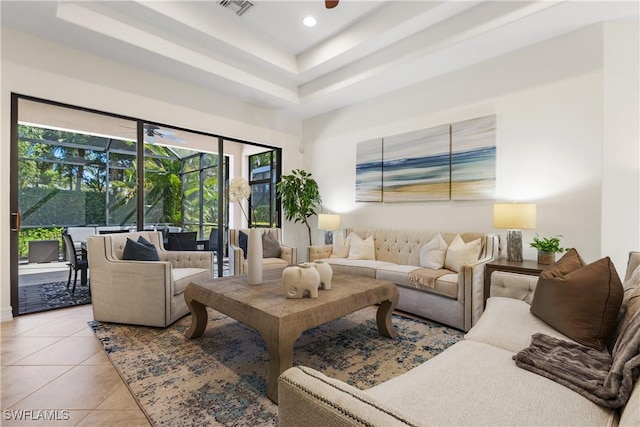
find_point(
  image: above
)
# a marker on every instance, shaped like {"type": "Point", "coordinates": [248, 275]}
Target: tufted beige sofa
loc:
{"type": "Point", "coordinates": [457, 299]}
{"type": "Point", "coordinates": [475, 382]}
{"type": "Point", "coordinates": [237, 262]}
{"type": "Point", "coordinates": [146, 293]}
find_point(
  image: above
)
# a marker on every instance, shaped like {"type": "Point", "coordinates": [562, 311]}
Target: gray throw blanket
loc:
{"type": "Point", "coordinates": [602, 378]}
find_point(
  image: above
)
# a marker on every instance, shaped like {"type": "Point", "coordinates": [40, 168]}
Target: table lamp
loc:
{"type": "Point", "coordinates": [329, 223]}
{"type": "Point", "coordinates": [514, 217]}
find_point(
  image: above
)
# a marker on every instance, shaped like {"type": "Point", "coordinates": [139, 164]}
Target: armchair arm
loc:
{"type": "Point", "coordinates": [317, 252]}
{"type": "Point", "coordinates": [289, 254]}
{"type": "Point", "coordinates": [307, 397]}
{"type": "Point", "coordinates": [115, 299]}
{"type": "Point", "coordinates": [236, 260]}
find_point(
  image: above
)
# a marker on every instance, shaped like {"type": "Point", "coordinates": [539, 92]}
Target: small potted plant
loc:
{"type": "Point", "coordinates": [547, 248]}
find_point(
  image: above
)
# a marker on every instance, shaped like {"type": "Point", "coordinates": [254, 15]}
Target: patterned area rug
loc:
{"type": "Point", "coordinates": [49, 296]}
{"type": "Point", "coordinates": [220, 378]}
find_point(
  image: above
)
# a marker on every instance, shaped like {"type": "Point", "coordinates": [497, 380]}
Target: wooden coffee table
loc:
{"type": "Point", "coordinates": [281, 321]}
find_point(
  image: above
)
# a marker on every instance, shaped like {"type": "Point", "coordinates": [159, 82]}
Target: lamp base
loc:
{"type": "Point", "coordinates": [328, 237]}
{"type": "Point", "coordinates": [514, 245]}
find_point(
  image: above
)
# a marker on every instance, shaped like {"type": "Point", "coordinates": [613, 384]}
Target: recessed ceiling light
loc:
{"type": "Point", "coordinates": [309, 21]}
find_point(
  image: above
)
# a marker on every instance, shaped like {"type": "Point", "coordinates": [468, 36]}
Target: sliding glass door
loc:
{"type": "Point", "coordinates": [66, 178]}
{"type": "Point", "coordinates": [80, 172]}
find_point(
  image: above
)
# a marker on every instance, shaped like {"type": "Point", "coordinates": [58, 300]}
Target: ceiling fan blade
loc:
{"type": "Point", "coordinates": [172, 138]}
{"type": "Point", "coordinates": [330, 4]}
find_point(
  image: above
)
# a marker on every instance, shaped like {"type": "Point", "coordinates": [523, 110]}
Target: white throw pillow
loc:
{"type": "Point", "coordinates": [433, 253]}
{"type": "Point", "coordinates": [361, 249]}
{"type": "Point", "coordinates": [340, 246]}
{"type": "Point", "coordinates": [461, 253]}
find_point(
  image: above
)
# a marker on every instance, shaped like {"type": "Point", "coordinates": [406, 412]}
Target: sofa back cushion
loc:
{"type": "Point", "coordinates": [361, 248]}
{"type": "Point", "coordinates": [630, 305]}
{"type": "Point", "coordinates": [460, 253]}
{"type": "Point", "coordinates": [403, 246]}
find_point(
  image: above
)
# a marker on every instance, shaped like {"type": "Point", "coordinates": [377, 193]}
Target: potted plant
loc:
{"type": "Point", "coordinates": [547, 248]}
{"type": "Point", "coordinates": [300, 197]}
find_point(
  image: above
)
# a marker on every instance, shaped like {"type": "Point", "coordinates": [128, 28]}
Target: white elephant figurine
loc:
{"type": "Point", "coordinates": [326, 273]}
{"type": "Point", "coordinates": [300, 280]}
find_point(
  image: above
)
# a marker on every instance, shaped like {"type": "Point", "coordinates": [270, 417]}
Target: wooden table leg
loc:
{"type": "Point", "coordinates": [383, 318]}
{"type": "Point", "coordinates": [199, 318]}
{"type": "Point", "coordinates": [280, 359]}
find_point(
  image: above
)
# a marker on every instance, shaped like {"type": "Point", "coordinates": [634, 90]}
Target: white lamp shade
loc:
{"type": "Point", "coordinates": [514, 215]}
{"type": "Point", "coordinates": [329, 222]}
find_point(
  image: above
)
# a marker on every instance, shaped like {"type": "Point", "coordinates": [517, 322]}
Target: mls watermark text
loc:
{"type": "Point", "coordinates": [36, 414]}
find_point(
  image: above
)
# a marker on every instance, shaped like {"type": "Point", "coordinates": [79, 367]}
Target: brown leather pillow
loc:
{"type": "Point", "coordinates": [583, 304]}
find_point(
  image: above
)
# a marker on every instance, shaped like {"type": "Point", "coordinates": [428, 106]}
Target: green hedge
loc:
{"type": "Point", "coordinates": [40, 207]}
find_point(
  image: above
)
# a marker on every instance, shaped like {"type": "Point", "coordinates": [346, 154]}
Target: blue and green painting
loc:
{"type": "Point", "coordinates": [473, 159]}
{"type": "Point", "coordinates": [369, 171]}
{"type": "Point", "coordinates": [416, 165]}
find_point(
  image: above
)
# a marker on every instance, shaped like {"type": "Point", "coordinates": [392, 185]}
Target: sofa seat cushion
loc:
{"type": "Point", "coordinates": [359, 267]}
{"type": "Point", "coordinates": [183, 276]}
{"type": "Point", "coordinates": [446, 285]}
{"type": "Point", "coordinates": [273, 263]}
{"type": "Point", "coordinates": [474, 384]}
{"type": "Point", "coordinates": [507, 323]}
{"type": "Point", "coordinates": [269, 263]}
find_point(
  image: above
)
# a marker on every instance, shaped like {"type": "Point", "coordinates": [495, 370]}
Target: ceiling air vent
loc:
{"type": "Point", "coordinates": [238, 6]}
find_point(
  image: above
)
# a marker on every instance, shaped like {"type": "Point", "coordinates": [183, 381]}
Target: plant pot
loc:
{"type": "Point", "coordinates": [545, 257]}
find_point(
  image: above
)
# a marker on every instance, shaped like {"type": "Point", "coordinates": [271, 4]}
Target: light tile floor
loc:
{"type": "Point", "coordinates": [52, 365]}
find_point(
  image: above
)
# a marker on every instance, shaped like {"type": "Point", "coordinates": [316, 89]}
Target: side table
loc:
{"type": "Point", "coordinates": [526, 266]}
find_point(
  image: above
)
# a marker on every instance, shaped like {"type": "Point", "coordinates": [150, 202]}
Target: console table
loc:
{"type": "Point", "coordinates": [526, 266]}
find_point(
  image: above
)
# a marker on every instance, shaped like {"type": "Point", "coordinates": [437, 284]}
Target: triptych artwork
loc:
{"type": "Point", "coordinates": [449, 162]}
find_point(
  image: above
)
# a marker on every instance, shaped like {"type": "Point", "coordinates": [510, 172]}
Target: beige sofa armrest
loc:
{"type": "Point", "coordinates": [289, 254]}
{"type": "Point", "coordinates": [471, 278]}
{"type": "Point", "coordinates": [308, 398]}
{"type": "Point", "coordinates": [317, 252]}
{"type": "Point", "coordinates": [513, 285]}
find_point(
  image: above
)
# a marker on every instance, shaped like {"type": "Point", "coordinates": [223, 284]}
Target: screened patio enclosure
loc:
{"type": "Point", "coordinates": [72, 179]}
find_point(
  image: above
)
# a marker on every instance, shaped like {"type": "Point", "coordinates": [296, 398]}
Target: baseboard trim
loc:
{"type": "Point", "coordinates": [6, 314]}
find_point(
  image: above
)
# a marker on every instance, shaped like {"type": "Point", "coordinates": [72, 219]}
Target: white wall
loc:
{"type": "Point", "coordinates": [34, 67]}
{"type": "Point", "coordinates": [621, 148]}
{"type": "Point", "coordinates": [548, 99]}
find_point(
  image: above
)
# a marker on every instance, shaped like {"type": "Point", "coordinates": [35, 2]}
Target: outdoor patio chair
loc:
{"type": "Point", "coordinates": [76, 262]}
{"type": "Point", "coordinates": [183, 241]}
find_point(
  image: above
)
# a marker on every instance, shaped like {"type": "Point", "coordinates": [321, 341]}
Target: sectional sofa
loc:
{"type": "Point", "coordinates": [476, 381]}
{"type": "Point", "coordinates": [455, 295]}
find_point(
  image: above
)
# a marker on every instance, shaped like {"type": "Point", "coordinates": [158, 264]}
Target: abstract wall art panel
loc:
{"type": "Point", "coordinates": [473, 159]}
{"type": "Point", "coordinates": [369, 171]}
{"type": "Point", "coordinates": [416, 166]}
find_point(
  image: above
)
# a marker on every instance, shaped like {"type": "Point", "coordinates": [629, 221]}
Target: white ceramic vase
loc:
{"type": "Point", "coordinates": [254, 256]}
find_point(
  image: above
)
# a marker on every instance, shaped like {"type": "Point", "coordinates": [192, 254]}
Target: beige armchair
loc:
{"type": "Point", "coordinates": [146, 293]}
{"type": "Point", "coordinates": [237, 262]}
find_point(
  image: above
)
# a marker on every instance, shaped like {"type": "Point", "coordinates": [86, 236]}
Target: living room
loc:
{"type": "Point", "coordinates": [567, 132]}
